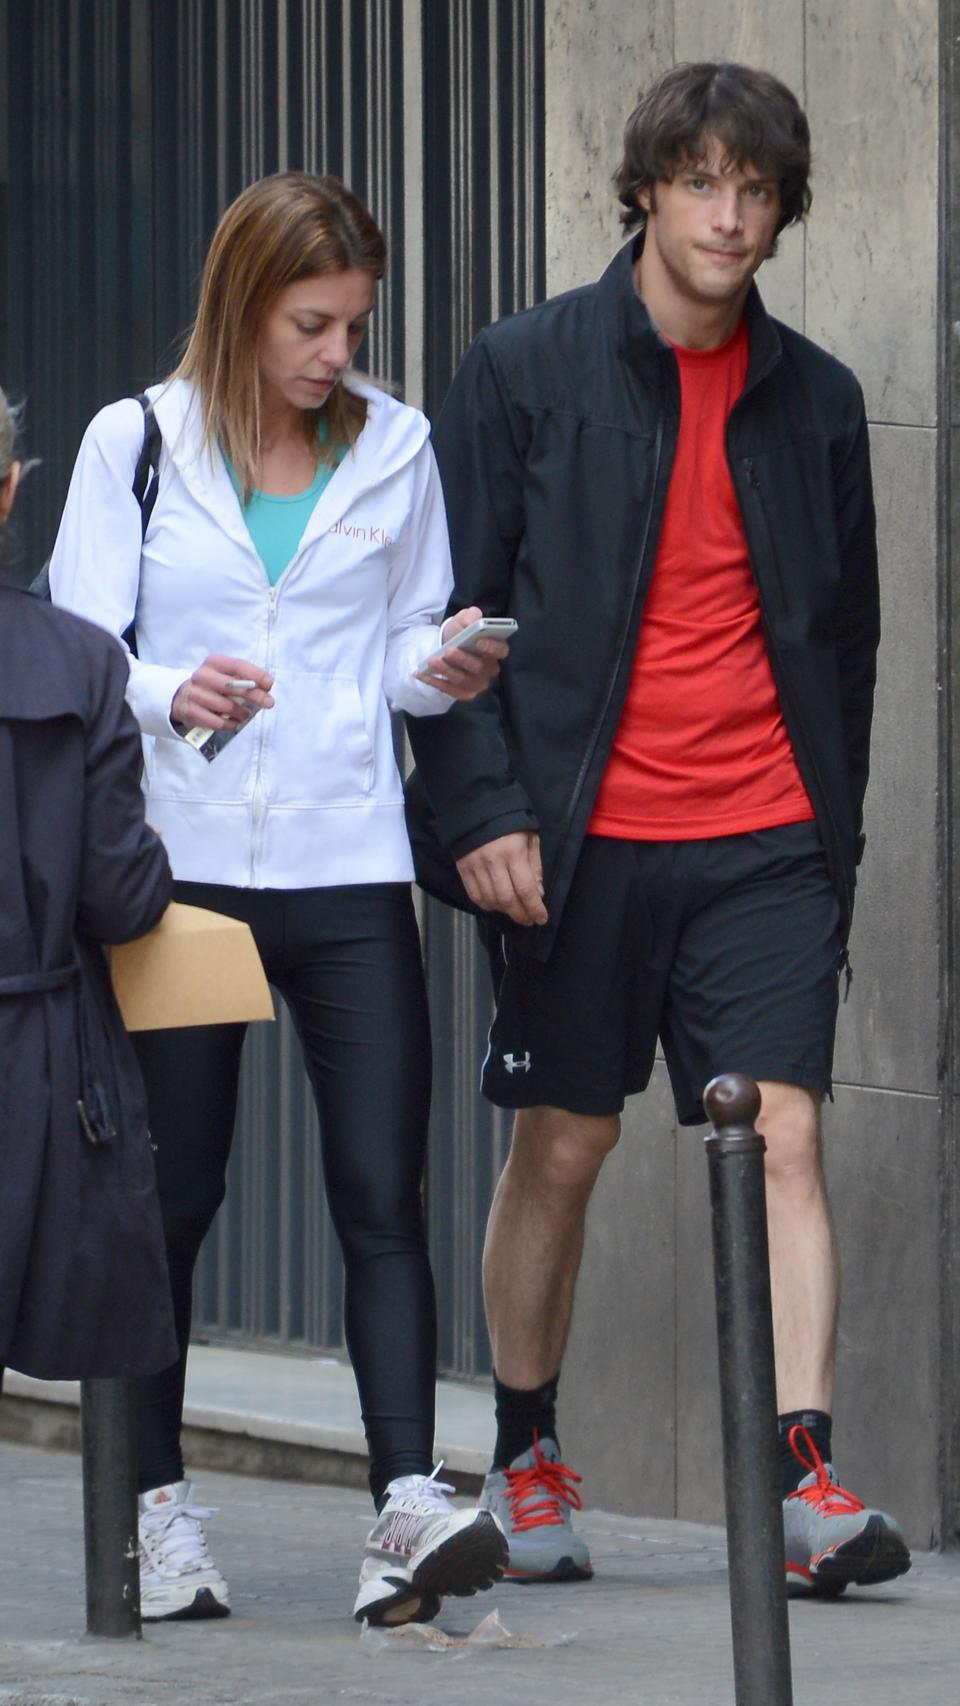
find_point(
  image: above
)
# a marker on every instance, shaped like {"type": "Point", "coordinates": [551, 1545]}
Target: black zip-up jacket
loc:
{"type": "Point", "coordinates": [555, 445]}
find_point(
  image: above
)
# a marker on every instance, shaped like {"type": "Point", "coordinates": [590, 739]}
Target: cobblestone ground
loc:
{"type": "Point", "coordinates": [651, 1629]}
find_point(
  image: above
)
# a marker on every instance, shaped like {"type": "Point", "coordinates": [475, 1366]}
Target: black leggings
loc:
{"type": "Point", "coordinates": [347, 963]}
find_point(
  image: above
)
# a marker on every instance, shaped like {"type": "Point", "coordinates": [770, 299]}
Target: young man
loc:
{"type": "Point", "coordinates": [662, 804]}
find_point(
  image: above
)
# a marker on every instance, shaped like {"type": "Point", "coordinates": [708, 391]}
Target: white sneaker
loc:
{"type": "Point", "coordinates": [422, 1547]}
{"type": "Point", "coordinates": [178, 1578]}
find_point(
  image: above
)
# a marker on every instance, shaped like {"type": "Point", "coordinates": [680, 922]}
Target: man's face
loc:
{"type": "Point", "coordinates": [710, 227]}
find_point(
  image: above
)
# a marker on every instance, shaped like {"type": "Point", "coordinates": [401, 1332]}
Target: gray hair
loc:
{"type": "Point", "coordinates": [8, 435]}
{"type": "Point", "coordinates": [10, 417]}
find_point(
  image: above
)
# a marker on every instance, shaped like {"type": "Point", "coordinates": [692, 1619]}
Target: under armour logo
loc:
{"type": "Point", "coordinates": [515, 1064]}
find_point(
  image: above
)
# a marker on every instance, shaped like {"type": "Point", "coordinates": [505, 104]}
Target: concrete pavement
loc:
{"type": "Point", "coordinates": [652, 1628]}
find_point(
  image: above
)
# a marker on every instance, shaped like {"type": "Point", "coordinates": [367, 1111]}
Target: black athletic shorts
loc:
{"type": "Point", "coordinates": [728, 949]}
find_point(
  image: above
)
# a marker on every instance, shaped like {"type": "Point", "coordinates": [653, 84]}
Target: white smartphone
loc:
{"type": "Point", "coordinates": [210, 742]}
{"type": "Point", "coordinates": [485, 628]}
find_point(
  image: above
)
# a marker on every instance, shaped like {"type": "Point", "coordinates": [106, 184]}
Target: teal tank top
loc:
{"type": "Point", "coordinates": [277, 525]}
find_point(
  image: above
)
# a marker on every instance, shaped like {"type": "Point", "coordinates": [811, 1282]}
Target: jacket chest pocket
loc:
{"type": "Point", "coordinates": [787, 505]}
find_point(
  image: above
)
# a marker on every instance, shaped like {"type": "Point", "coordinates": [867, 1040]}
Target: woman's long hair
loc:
{"type": "Point", "coordinates": [284, 228]}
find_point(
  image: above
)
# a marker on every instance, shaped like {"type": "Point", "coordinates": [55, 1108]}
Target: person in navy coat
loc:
{"type": "Point", "coordinates": [83, 1280]}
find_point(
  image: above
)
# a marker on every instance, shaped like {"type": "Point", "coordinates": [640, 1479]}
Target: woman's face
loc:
{"type": "Point", "coordinates": [310, 336]}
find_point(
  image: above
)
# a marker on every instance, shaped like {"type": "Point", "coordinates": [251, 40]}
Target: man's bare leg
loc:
{"type": "Point", "coordinates": [535, 1241]}
{"type": "Point", "coordinates": [530, 1265]}
{"type": "Point", "coordinates": [534, 1238]}
{"type": "Point", "coordinates": [828, 1542]}
{"type": "Point", "coordinates": [804, 1266]}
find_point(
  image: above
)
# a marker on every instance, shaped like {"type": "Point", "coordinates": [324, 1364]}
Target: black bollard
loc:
{"type": "Point", "coordinates": [748, 1396]}
{"type": "Point", "coordinates": [109, 1448]}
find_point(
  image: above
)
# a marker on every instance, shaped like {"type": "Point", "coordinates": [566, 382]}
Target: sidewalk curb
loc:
{"type": "Point", "coordinates": [236, 1444]}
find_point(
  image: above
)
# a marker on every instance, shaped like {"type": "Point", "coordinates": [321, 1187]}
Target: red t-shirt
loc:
{"type": "Point", "coordinates": [702, 749]}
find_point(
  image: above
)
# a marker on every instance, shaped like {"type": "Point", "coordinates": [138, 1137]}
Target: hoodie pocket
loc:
{"type": "Point", "coordinates": [174, 770]}
{"type": "Point", "coordinates": [319, 745]}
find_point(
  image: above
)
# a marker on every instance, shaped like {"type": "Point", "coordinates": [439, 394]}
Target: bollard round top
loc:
{"type": "Point", "coordinates": [731, 1099]}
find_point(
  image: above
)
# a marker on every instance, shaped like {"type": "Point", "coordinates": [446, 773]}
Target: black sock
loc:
{"type": "Point", "coordinates": [520, 1415]}
{"type": "Point", "coordinates": [818, 1425]}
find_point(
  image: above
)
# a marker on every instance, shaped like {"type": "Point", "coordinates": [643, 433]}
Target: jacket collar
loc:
{"type": "Point", "coordinates": [637, 338]}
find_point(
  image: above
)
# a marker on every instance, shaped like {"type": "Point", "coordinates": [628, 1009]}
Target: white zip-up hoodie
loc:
{"type": "Point", "coordinates": [309, 793]}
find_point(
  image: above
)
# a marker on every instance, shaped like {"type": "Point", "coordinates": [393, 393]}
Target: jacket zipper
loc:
{"type": "Point", "coordinates": [808, 765]}
{"type": "Point", "coordinates": [259, 786]}
{"type": "Point", "coordinates": [598, 726]}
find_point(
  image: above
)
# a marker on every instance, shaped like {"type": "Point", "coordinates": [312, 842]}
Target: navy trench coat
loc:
{"type": "Point", "coordinates": [83, 1278]}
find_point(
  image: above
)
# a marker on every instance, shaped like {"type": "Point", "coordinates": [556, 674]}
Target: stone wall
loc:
{"type": "Point", "coordinates": [639, 1396]}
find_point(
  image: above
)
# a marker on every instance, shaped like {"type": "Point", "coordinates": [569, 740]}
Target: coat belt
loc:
{"type": "Point", "coordinates": [39, 982]}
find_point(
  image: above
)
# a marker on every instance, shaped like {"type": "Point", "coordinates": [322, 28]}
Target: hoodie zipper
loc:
{"type": "Point", "coordinates": [260, 783]}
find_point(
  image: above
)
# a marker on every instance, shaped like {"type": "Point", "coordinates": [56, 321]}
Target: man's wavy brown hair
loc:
{"type": "Point", "coordinates": [757, 118]}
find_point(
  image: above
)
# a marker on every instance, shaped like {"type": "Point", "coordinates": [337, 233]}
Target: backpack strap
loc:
{"type": "Point", "coordinates": [146, 483]}
{"type": "Point", "coordinates": [146, 475]}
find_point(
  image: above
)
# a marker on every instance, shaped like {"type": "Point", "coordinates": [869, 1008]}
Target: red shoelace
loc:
{"type": "Point", "coordinates": [549, 1485]}
{"type": "Point", "coordinates": [825, 1495]}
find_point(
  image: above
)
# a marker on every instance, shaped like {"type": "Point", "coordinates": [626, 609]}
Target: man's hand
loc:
{"type": "Point", "coordinates": [465, 674]}
{"type": "Point", "coordinates": [208, 701]}
{"type": "Point", "coordinates": [506, 876]}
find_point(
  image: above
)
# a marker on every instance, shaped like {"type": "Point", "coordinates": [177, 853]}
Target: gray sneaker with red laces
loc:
{"type": "Point", "coordinates": [532, 1501]}
{"type": "Point", "coordinates": [831, 1538]}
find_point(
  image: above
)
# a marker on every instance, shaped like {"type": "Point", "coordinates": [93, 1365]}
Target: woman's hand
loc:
{"type": "Point", "coordinates": [210, 701]}
{"type": "Point", "coordinates": [465, 674]}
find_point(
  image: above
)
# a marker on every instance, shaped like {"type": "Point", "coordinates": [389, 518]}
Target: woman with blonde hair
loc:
{"type": "Point", "coordinates": [288, 586]}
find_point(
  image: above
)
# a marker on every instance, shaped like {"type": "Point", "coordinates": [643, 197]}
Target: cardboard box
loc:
{"type": "Point", "coordinates": [195, 968]}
